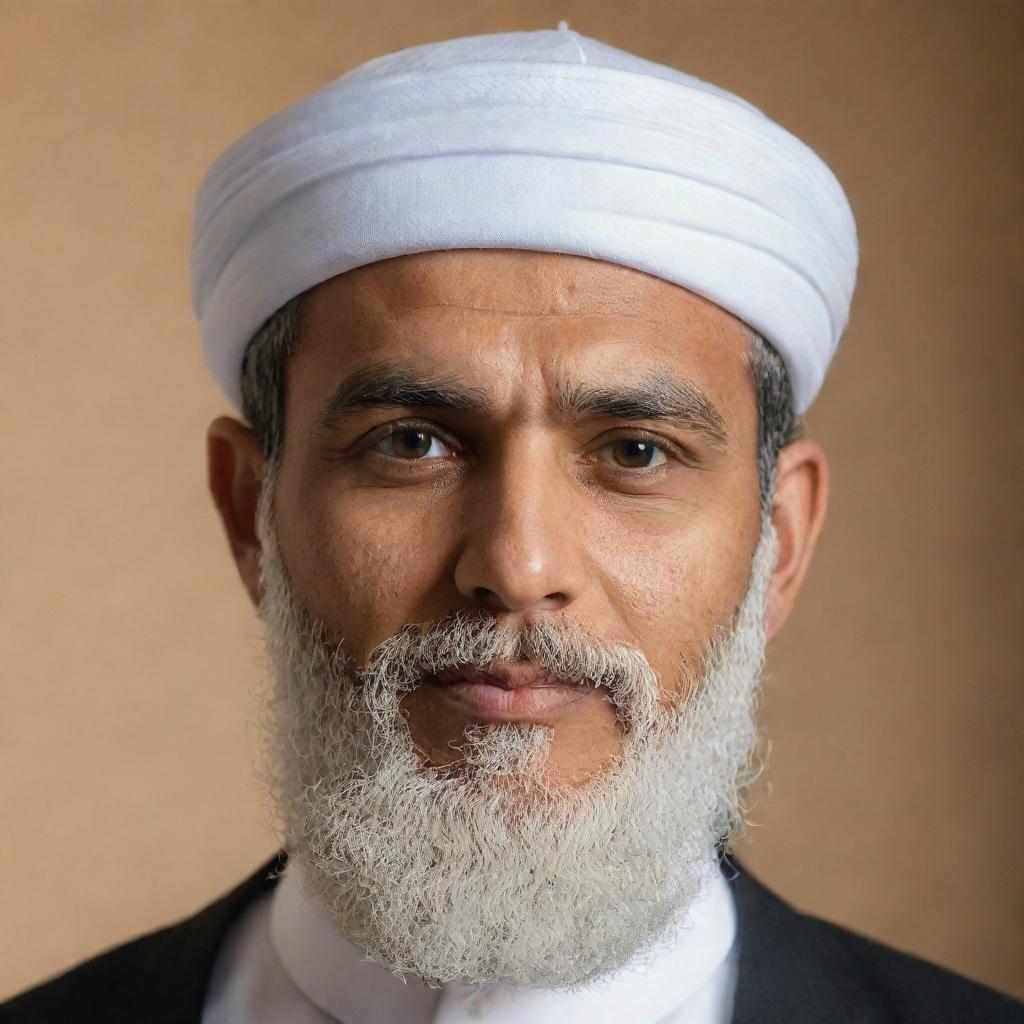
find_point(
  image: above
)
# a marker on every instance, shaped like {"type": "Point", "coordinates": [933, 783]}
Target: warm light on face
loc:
{"type": "Point", "coordinates": [521, 434]}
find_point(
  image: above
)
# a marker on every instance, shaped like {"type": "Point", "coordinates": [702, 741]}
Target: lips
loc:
{"type": "Point", "coordinates": [508, 691]}
{"type": "Point", "coordinates": [507, 676]}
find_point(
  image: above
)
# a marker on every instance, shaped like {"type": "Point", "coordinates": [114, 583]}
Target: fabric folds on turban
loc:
{"type": "Point", "coordinates": [542, 140]}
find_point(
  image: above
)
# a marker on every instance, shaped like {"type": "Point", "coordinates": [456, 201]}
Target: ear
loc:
{"type": "Point", "coordinates": [798, 513]}
{"type": "Point", "coordinates": [235, 465]}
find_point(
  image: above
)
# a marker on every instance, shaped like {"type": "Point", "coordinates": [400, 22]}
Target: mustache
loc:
{"type": "Point", "coordinates": [560, 646]}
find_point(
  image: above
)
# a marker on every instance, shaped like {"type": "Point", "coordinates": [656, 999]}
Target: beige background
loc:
{"type": "Point", "coordinates": [128, 648]}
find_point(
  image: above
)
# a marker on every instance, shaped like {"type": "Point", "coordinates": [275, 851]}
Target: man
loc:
{"type": "Point", "coordinates": [522, 327]}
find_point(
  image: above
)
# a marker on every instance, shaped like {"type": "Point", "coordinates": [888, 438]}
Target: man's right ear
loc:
{"type": "Point", "coordinates": [235, 465]}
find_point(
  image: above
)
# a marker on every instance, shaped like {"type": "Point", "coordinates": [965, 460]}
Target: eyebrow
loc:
{"type": "Point", "coordinates": [657, 395]}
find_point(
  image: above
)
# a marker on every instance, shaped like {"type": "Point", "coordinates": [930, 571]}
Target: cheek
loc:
{"type": "Point", "coordinates": [358, 564]}
{"type": "Point", "coordinates": [674, 585]}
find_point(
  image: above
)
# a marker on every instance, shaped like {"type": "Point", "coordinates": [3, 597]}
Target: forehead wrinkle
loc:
{"type": "Point", "coordinates": [607, 312]}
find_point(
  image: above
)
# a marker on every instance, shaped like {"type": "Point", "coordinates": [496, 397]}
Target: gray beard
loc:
{"type": "Point", "coordinates": [485, 871]}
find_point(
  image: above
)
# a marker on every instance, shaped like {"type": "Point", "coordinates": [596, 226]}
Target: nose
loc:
{"type": "Point", "coordinates": [522, 549]}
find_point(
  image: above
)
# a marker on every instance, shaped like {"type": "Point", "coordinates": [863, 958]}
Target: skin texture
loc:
{"type": "Point", "coordinates": [510, 510]}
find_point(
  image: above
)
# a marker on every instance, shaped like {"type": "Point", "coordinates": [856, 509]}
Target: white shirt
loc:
{"type": "Point", "coordinates": [283, 961]}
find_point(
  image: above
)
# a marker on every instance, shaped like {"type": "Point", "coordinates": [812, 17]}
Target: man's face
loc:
{"type": "Point", "coordinates": [527, 502]}
{"type": "Point", "coordinates": [541, 468]}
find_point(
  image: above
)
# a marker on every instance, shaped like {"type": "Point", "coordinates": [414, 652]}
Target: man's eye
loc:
{"type": "Point", "coordinates": [410, 444]}
{"type": "Point", "coordinates": [637, 453]}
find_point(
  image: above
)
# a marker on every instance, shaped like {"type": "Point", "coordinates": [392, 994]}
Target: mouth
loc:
{"type": "Point", "coordinates": [508, 692]}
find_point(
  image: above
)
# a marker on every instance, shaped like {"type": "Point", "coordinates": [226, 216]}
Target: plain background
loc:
{"type": "Point", "coordinates": [130, 652]}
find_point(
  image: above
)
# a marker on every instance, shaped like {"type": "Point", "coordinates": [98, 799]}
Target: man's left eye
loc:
{"type": "Point", "coordinates": [638, 453]}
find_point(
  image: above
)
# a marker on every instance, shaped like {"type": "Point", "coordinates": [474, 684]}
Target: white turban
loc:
{"type": "Point", "coordinates": [527, 140]}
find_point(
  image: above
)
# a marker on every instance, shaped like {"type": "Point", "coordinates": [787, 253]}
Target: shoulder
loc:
{"type": "Point", "coordinates": [161, 976]}
{"type": "Point", "coordinates": [805, 966]}
{"type": "Point", "coordinates": [83, 993]}
{"type": "Point", "coordinates": [912, 989]}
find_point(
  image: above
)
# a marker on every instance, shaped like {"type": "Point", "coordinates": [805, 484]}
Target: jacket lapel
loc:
{"type": "Point", "coordinates": [169, 985]}
{"type": "Point", "coordinates": [791, 968]}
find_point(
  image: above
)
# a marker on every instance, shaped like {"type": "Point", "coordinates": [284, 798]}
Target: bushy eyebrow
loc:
{"type": "Point", "coordinates": [653, 396]}
{"type": "Point", "coordinates": [656, 396]}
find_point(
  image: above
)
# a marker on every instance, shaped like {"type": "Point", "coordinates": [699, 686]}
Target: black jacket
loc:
{"type": "Point", "coordinates": [794, 969]}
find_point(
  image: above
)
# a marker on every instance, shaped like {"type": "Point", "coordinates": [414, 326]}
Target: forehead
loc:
{"type": "Point", "coordinates": [511, 319]}
{"type": "Point", "coordinates": [515, 282]}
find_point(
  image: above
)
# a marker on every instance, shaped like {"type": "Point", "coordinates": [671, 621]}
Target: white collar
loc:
{"type": "Point", "coordinates": [334, 975]}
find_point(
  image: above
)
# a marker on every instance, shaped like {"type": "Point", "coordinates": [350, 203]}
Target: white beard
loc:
{"type": "Point", "coordinates": [483, 871]}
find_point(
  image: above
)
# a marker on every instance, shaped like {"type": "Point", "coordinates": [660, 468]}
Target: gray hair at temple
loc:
{"type": "Point", "coordinates": [280, 335]}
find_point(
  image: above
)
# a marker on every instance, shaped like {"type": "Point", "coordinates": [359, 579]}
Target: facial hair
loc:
{"type": "Point", "coordinates": [484, 871]}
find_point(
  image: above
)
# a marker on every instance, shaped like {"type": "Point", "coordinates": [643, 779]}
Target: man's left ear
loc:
{"type": "Point", "coordinates": [798, 512]}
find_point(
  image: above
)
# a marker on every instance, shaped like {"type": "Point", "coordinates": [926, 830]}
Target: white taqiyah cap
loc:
{"type": "Point", "coordinates": [542, 140]}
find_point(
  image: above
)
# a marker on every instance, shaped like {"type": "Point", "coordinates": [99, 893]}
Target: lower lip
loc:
{"type": "Point", "coordinates": [523, 704]}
